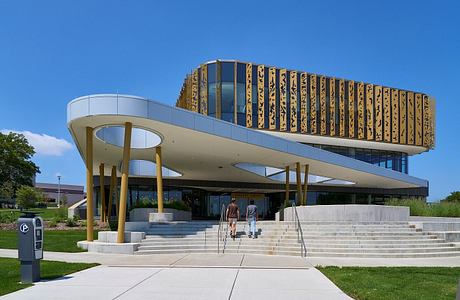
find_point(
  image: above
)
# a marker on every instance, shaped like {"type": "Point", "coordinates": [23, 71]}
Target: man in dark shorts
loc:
{"type": "Point", "coordinates": [251, 218]}
{"type": "Point", "coordinates": [233, 211]}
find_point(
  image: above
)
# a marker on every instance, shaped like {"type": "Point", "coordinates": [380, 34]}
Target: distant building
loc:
{"type": "Point", "coordinates": [70, 193]}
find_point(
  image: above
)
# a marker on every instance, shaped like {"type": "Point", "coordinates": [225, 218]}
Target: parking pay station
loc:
{"type": "Point", "coordinates": [30, 246]}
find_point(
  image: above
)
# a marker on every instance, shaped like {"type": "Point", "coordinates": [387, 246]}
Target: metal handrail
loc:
{"type": "Point", "coordinates": [298, 228]}
{"type": "Point", "coordinates": [219, 231]}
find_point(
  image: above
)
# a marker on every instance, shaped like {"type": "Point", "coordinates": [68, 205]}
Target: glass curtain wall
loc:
{"type": "Point", "coordinates": [228, 91]}
{"type": "Point", "coordinates": [396, 161]}
{"type": "Point", "coordinates": [212, 87]}
{"type": "Point", "coordinates": [241, 94]}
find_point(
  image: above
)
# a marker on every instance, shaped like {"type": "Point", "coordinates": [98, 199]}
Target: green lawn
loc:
{"type": "Point", "coordinates": [10, 276]}
{"type": "Point", "coordinates": [11, 215]}
{"type": "Point", "coordinates": [54, 240]}
{"type": "Point", "coordinates": [384, 283]}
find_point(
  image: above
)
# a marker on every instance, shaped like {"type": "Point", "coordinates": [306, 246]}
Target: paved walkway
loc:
{"type": "Point", "coordinates": [236, 260]}
{"type": "Point", "coordinates": [183, 276]}
{"type": "Point", "coordinates": [200, 276]}
{"type": "Point", "coordinates": [106, 282]}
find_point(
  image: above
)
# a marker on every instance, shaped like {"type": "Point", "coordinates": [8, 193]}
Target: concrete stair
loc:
{"type": "Point", "coordinates": [322, 239]}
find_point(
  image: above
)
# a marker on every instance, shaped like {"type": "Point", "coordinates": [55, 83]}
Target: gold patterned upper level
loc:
{"type": "Point", "coordinates": [277, 99]}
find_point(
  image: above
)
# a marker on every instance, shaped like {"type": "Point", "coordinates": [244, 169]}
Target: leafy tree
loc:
{"type": "Point", "coordinates": [63, 200]}
{"type": "Point", "coordinates": [16, 166]}
{"type": "Point", "coordinates": [453, 197]}
{"type": "Point", "coordinates": [6, 190]}
{"type": "Point", "coordinates": [28, 197]}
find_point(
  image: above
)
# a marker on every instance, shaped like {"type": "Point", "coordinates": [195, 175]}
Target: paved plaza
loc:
{"type": "Point", "coordinates": [184, 276]}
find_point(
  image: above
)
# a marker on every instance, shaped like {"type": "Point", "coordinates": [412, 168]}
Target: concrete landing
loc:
{"type": "Point", "coordinates": [237, 260]}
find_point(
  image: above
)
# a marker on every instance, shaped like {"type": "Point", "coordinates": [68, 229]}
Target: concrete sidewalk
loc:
{"type": "Point", "coordinates": [105, 282]}
{"type": "Point", "coordinates": [236, 260]}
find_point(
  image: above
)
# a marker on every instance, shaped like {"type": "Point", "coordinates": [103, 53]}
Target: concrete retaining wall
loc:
{"type": "Point", "coordinates": [142, 214]}
{"type": "Point", "coordinates": [111, 236]}
{"type": "Point", "coordinates": [444, 228]}
{"type": "Point", "coordinates": [433, 219]}
{"type": "Point", "coordinates": [350, 212]}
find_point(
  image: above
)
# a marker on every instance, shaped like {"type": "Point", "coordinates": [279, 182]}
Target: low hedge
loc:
{"type": "Point", "coordinates": [421, 208]}
{"type": "Point", "coordinates": [179, 205]}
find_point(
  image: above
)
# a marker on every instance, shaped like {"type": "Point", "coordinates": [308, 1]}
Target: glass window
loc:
{"type": "Point", "coordinates": [227, 117]}
{"type": "Point", "coordinates": [228, 96]}
{"type": "Point", "coordinates": [228, 72]}
{"type": "Point", "coordinates": [241, 103]}
{"type": "Point", "coordinates": [212, 99]}
{"type": "Point", "coordinates": [212, 73]}
{"type": "Point", "coordinates": [241, 73]}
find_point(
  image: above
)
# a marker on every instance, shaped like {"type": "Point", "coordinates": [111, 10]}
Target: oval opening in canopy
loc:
{"type": "Point", "coordinates": [279, 175]}
{"type": "Point", "coordinates": [140, 138]}
{"type": "Point", "coordinates": [147, 168]}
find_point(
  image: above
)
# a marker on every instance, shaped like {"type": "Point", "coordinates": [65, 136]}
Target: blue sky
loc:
{"type": "Point", "coordinates": [54, 51]}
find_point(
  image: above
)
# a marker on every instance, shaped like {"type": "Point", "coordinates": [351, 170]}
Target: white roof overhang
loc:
{"type": "Point", "coordinates": [204, 148]}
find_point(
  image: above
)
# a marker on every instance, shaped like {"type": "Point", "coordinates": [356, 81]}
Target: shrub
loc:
{"type": "Point", "coordinates": [113, 225]}
{"type": "Point", "coordinates": [52, 223]}
{"type": "Point", "coordinates": [421, 208]}
{"type": "Point", "coordinates": [76, 218]}
{"type": "Point", "coordinates": [28, 197]}
{"type": "Point", "coordinates": [41, 205]}
{"type": "Point", "coordinates": [453, 197]}
{"type": "Point", "coordinates": [70, 222]}
{"type": "Point", "coordinates": [146, 203]}
{"type": "Point", "coordinates": [8, 217]}
{"type": "Point", "coordinates": [60, 214]}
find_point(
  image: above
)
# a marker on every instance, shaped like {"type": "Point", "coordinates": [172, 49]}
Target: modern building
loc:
{"type": "Point", "coordinates": [67, 193]}
{"type": "Point", "coordinates": [257, 132]}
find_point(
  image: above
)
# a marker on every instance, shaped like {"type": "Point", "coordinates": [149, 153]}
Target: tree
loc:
{"type": "Point", "coordinates": [16, 166]}
{"type": "Point", "coordinates": [63, 200]}
{"type": "Point", "coordinates": [453, 197]}
{"type": "Point", "coordinates": [6, 190]}
{"type": "Point", "coordinates": [28, 197]}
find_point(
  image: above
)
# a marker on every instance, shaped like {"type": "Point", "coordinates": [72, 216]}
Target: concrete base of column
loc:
{"type": "Point", "coordinates": [160, 217]}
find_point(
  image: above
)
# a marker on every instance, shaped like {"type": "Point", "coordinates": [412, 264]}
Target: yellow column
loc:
{"type": "Point", "coordinates": [117, 202]}
{"type": "Point", "coordinates": [124, 183]}
{"type": "Point", "coordinates": [299, 184]}
{"type": "Point", "coordinates": [89, 184]}
{"type": "Point", "coordinates": [305, 185]}
{"type": "Point", "coordinates": [159, 179]}
{"type": "Point", "coordinates": [286, 197]}
{"type": "Point", "coordinates": [111, 191]}
{"type": "Point", "coordinates": [102, 191]}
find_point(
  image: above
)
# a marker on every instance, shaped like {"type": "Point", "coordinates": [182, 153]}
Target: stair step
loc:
{"type": "Point", "coordinates": [384, 255]}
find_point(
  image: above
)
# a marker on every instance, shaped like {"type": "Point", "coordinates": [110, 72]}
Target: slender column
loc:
{"type": "Point", "coordinates": [89, 184]}
{"type": "Point", "coordinates": [117, 202]}
{"type": "Point", "coordinates": [124, 183]}
{"type": "Point", "coordinates": [102, 191]}
{"type": "Point", "coordinates": [299, 184]}
{"type": "Point", "coordinates": [286, 199]}
{"type": "Point", "coordinates": [305, 185]}
{"type": "Point", "coordinates": [159, 179]}
{"type": "Point", "coordinates": [111, 191]}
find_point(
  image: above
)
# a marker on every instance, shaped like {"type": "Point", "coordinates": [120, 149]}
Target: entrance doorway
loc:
{"type": "Point", "coordinates": [242, 200]}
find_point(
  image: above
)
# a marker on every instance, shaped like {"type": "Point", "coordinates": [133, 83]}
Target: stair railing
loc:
{"type": "Point", "coordinates": [298, 228]}
{"type": "Point", "coordinates": [220, 236]}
